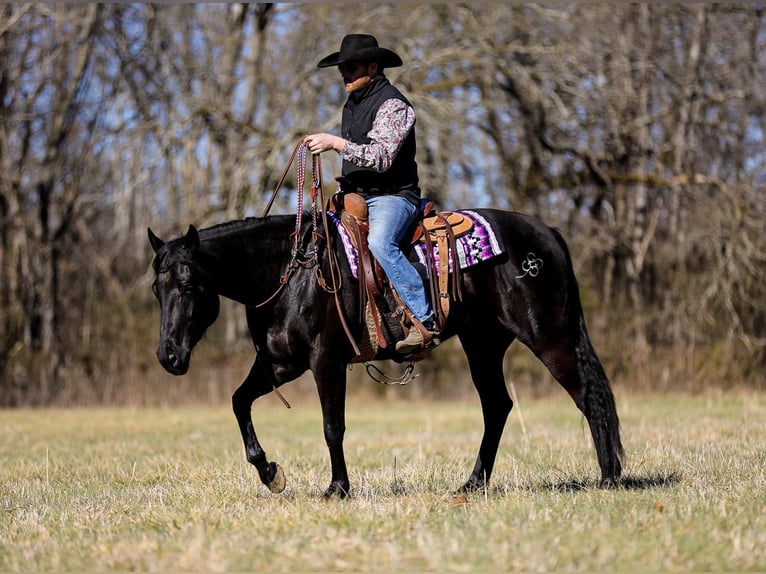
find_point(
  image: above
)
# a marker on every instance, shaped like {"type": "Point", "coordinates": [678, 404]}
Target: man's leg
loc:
{"type": "Point", "coordinates": [390, 217]}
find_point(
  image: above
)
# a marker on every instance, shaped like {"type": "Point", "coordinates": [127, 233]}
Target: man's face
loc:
{"type": "Point", "coordinates": [357, 74]}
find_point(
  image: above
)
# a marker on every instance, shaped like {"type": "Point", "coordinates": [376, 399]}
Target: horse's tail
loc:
{"type": "Point", "coordinates": [599, 408]}
{"type": "Point", "coordinates": [598, 404]}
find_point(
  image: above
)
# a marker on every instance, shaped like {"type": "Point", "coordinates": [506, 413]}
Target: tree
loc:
{"type": "Point", "coordinates": [45, 123]}
{"type": "Point", "coordinates": [637, 129]}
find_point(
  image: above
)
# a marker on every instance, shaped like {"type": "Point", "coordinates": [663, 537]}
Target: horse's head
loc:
{"type": "Point", "coordinates": [188, 302]}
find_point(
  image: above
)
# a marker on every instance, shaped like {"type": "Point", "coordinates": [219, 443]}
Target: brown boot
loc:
{"type": "Point", "coordinates": [415, 341]}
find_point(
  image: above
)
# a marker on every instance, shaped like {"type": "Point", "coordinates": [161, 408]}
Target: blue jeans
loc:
{"type": "Point", "coordinates": [390, 217]}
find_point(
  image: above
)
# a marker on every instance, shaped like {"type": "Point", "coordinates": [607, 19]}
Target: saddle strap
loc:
{"type": "Point", "coordinates": [368, 286]}
{"type": "Point", "coordinates": [432, 276]}
{"type": "Point", "coordinates": [452, 234]}
{"type": "Point", "coordinates": [441, 288]}
{"type": "Point", "coordinates": [366, 259]}
{"type": "Point", "coordinates": [443, 246]}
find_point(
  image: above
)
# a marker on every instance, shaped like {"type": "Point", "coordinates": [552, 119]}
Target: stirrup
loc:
{"type": "Point", "coordinates": [422, 339]}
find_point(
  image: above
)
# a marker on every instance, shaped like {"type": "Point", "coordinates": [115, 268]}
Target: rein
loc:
{"type": "Point", "coordinates": [297, 257]}
{"type": "Point", "coordinates": [300, 259]}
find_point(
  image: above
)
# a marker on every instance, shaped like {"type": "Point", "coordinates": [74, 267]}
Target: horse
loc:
{"type": "Point", "coordinates": [297, 323]}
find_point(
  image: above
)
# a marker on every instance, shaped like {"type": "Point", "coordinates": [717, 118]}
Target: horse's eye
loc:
{"type": "Point", "coordinates": [187, 289]}
{"type": "Point", "coordinates": [155, 289]}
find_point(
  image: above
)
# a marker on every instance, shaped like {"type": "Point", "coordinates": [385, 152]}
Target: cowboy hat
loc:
{"type": "Point", "coordinates": [361, 47]}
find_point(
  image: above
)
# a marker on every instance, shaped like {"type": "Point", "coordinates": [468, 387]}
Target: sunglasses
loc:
{"type": "Point", "coordinates": [349, 67]}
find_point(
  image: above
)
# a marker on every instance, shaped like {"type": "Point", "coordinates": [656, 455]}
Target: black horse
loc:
{"type": "Point", "coordinates": [295, 324]}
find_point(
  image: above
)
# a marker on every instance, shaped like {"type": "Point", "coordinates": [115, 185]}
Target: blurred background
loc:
{"type": "Point", "coordinates": [638, 130]}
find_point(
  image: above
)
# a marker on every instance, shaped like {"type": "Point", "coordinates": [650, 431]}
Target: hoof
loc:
{"type": "Point", "coordinates": [609, 483]}
{"type": "Point", "coordinates": [336, 492]}
{"type": "Point", "coordinates": [277, 483]}
{"type": "Point", "coordinates": [471, 486]}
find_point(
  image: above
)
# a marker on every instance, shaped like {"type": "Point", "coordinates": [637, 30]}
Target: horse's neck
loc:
{"type": "Point", "coordinates": [246, 259]}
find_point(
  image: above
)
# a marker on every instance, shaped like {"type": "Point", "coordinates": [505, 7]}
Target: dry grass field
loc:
{"type": "Point", "coordinates": [169, 489]}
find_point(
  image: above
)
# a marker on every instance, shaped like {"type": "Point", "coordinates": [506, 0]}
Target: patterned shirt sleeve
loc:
{"type": "Point", "coordinates": [392, 123]}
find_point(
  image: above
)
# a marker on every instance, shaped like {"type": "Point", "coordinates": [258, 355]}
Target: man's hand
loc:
{"type": "Point", "coordinates": [323, 142]}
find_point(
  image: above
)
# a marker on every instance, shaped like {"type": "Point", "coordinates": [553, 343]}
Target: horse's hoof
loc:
{"type": "Point", "coordinates": [277, 483]}
{"type": "Point", "coordinates": [609, 483]}
{"type": "Point", "coordinates": [471, 486]}
{"type": "Point", "coordinates": [335, 492]}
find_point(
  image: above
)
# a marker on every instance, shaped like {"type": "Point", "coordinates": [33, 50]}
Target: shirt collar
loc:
{"type": "Point", "coordinates": [377, 83]}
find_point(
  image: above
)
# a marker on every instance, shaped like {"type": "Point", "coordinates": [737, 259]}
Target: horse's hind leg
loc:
{"type": "Point", "coordinates": [253, 387]}
{"type": "Point", "coordinates": [485, 359]}
{"type": "Point", "coordinates": [578, 369]}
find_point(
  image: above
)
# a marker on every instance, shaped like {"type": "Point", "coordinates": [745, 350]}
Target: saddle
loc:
{"type": "Point", "coordinates": [439, 228]}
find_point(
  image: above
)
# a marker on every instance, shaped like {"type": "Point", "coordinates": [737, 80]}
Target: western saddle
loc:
{"type": "Point", "coordinates": [433, 228]}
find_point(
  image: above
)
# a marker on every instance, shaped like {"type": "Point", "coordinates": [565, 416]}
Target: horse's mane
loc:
{"type": "Point", "coordinates": [246, 224]}
{"type": "Point", "coordinates": [225, 229]}
{"type": "Point", "coordinates": [235, 226]}
{"type": "Point", "coordinates": [272, 228]}
{"type": "Point", "coordinates": [253, 225]}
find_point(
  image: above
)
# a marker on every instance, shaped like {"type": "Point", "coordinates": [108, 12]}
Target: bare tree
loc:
{"type": "Point", "coordinates": [45, 123]}
{"type": "Point", "coordinates": [638, 129]}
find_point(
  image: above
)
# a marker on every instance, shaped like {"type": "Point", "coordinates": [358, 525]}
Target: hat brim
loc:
{"type": "Point", "coordinates": [386, 58]}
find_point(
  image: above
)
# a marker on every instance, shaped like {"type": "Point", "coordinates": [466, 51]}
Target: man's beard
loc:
{"type": "Point", "coordinates": [358, 83]}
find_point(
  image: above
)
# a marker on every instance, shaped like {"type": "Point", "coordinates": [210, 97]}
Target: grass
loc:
{"type": "Point", "coordinates": [169, 489]}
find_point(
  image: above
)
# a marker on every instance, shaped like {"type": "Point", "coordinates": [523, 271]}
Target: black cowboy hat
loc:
{"type": "Point", "coordinates": [361, 47]}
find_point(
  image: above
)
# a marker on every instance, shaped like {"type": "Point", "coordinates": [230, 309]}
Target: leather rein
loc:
{"type": "Point", "coordinates": [298, 258]}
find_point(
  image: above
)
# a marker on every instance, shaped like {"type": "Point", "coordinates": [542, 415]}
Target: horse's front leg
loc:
{"type": "Point", "coordinates": [330, 377]}
{"type": "Point", "coordinates": [255, 385]}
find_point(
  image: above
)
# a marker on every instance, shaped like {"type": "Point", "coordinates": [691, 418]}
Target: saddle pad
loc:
{"type": "Point", "coordinates": [480, 244]}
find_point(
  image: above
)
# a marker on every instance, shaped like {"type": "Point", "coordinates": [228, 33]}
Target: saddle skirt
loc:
{"type": "Point", "coordinates": [479, 244]}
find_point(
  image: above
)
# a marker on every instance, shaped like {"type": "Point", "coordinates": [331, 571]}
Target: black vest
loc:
{"type": "Point", "coordinates": [358, 115]}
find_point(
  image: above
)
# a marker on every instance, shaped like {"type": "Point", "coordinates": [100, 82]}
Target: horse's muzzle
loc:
{"type": "Point", "coordinates": [174, 361]}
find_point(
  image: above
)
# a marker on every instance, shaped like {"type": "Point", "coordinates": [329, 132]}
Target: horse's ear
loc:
{"type": "Point", "coordinates": [156, 242]}
{"type": "Point", "coordinates": [191, 239]}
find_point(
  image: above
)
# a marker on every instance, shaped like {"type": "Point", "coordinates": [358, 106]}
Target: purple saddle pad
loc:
{"type": "Point", "coordinates": [479, 244]}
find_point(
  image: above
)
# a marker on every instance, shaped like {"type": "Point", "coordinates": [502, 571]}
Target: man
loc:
{"type": "Point", "coordinates": [378, 152]}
